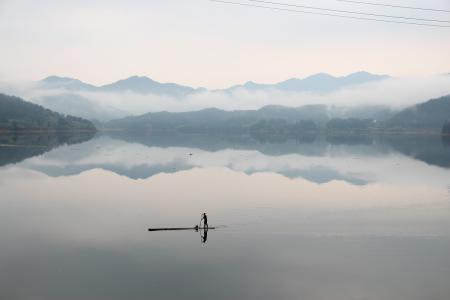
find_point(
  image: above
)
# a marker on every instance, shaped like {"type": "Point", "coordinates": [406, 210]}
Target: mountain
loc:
{"type": "Point", "coordinates": [17, 114]}
{"type": "Point", "coordinates": [321, 82]}
{"type": "Point", "coordinates": [213, 119]}
{"type": "Point", "coordinates": [66, 83]}
{"type": "Point", "coordinates": [135, 84]}
{"type": "Point", "coordinates": [128, 96]}
{"type": "Point", "coordinates": [75, 104]}
{"type": "Point", "coordinates": [429, 115]}
{"type": "Point", "coordinates": [145, 85]}
{"type": "Point", "coordinates": [206, 119]}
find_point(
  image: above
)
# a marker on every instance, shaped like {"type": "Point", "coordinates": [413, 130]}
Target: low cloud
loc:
{"type": "Point", "coordinates": [394, 92]}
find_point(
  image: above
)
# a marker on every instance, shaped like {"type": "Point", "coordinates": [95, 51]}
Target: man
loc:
{"type": "Point", "coordinates": [205, 220]}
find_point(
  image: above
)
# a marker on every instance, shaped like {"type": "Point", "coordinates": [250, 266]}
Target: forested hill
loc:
{"type": "Point", "coordinates": [239, 120]}
{"type": "Point", "coordinates": [428, 115]}
{"type": "Point", "coordinates": [17, 114]}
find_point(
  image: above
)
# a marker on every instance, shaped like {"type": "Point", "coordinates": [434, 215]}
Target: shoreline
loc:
{"type": "Point", "coordinates": [327, 132]}
{"type": "Point", "coordinates": [30, 131]}
{"type": "Point", "coordinates": [434, 132]}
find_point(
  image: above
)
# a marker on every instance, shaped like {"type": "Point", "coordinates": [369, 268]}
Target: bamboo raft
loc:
{"type": "Point", "coordinates": [181, 228]}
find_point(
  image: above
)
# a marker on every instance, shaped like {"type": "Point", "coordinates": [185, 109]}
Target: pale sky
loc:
{"type": "Point", "coordinates": [201, 43]}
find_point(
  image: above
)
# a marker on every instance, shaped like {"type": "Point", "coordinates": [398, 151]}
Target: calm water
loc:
{"type": "Point", "coordinates": [309, 218]}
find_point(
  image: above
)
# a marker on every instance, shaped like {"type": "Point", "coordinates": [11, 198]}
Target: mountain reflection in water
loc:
{"type": "Point", "coordinates": [319, 159]}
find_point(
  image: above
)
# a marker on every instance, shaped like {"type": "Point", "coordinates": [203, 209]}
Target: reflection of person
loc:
{"type": "Point", "coordinates": [205, 220]}
{"type": "Point", "coordinates": [205, 235]}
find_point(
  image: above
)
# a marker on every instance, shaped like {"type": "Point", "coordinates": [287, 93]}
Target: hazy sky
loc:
{"type": "Point", "coordinates": [201, 43]}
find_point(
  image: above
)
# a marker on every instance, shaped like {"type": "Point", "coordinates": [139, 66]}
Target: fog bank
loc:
{"type": "Point", "coordinates": [393, 92]}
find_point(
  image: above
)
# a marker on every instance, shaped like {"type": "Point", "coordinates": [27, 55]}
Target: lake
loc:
{"type": "Point", "coordinates": [312, 217]}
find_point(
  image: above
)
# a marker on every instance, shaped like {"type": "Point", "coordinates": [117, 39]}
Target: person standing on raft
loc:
{"type": "Point", "coordinates": [205, 220]}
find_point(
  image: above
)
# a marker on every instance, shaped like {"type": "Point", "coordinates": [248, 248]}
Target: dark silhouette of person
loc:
{"type": "Point", "coordinates": [205, 220]}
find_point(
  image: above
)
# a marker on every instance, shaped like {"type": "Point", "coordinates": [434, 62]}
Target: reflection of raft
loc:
{"type": "Point", "coordinates": [181, 228]}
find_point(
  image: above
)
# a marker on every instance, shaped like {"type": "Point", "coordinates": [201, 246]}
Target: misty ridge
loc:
{"type": "Point", "coordinates": [358, 95]}
{"type": "Point", "coordinates": [431, 116]}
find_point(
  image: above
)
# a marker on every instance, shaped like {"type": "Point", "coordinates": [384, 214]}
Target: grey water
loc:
{"type": "Point", "coordinates": [312, 217]}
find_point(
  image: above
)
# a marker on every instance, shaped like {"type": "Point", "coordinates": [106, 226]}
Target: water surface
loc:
{"type": "Point", "coordinates": [342, 217]}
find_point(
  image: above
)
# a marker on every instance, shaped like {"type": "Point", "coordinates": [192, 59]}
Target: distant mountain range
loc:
{"type": "Point", "coordinates": [143, 85]}
{"type": "Point", "coordinates": [321, 82]}
{"type": "Point", "coordinates": [133, 95]}
{"type": "Point", "coordinates": [135, 84]}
